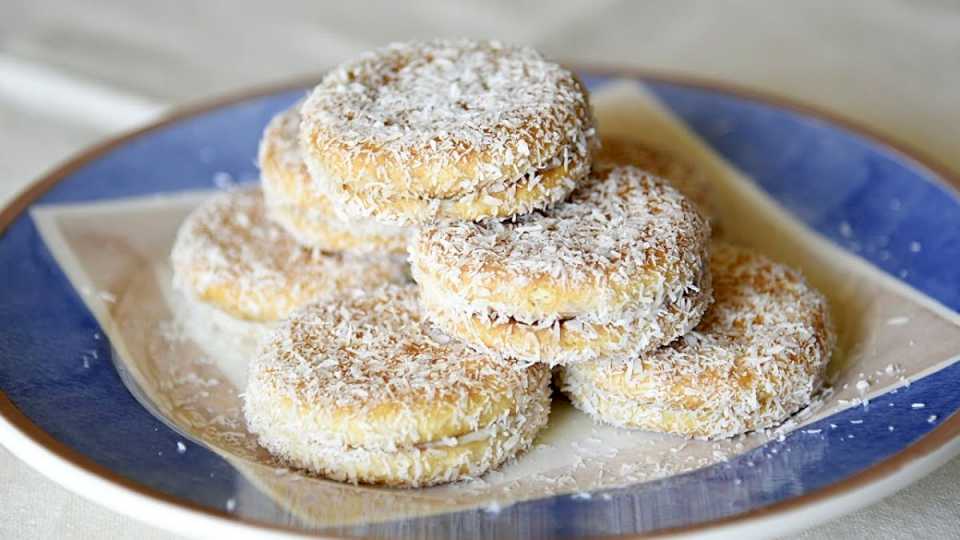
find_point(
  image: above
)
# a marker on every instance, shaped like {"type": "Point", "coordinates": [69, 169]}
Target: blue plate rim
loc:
{"type": "Point", "coordinates": [18, 423]}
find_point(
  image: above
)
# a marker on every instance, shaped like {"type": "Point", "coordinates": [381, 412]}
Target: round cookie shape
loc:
{"type": "Point", "coordinates": [616, 151]}
{"type": "Point", "coordinates": [362, 388]}
{"type": "Point", "coordinates": [228, 254]}
{"type": "Point", "coordinates": [442, 120]}
{"type": "Point", "coordinates": [617, 269]}
{"type": "Point", "coordinates": [305, 212]}
{"type": "Point", "coordinates": [757, 357]}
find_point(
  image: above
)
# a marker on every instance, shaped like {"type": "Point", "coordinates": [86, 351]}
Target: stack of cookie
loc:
{"type": "Point", "coordinates": [531, 249]}
{"type": "Point", "coordinates": [247, 258]}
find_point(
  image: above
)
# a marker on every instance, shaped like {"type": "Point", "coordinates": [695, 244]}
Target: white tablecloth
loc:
{"type": "Point", "coordinates": [72, 73]}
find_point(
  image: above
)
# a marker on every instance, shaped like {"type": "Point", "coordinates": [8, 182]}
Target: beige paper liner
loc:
{"type": "Point", "coordinates": [116, 254]}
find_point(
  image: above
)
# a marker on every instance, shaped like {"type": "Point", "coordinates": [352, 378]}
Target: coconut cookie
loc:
{"type": "Point", "coordinates": [306, 213]}
{"type": "Point", "coordinates": [448, 130]}
{"type": "Point", "coordinates": [228, 254]}
{"type": "Point", "coordinates": [618, 269]}
{"type": "Point", "coordinates": [756, 358]}
{"type": "Point", "coordinates": [362, 389]}
{"type": "Point", "coordinates": [687, 178]}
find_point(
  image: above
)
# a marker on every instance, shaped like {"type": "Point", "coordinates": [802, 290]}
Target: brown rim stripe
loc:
{"type": "Point", "coordinates": [936, 439]}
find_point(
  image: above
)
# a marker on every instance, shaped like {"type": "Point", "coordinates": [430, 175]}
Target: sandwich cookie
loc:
{"type": "Point", "coordinates": [229, 255]}
{"type": "Point", "coordinates": [360, 388]}
{"type": "Point", "coordinates": [305, 212]}
{"type": "Point", "coordinates": [757, 357]}
{"type": "Point", "coordinates": [448, 130]}
{"type": "Point", "coordinates": [618, 269]}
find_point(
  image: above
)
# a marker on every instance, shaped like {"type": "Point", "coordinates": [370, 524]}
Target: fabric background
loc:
{"type": "Point", "coordinates": [72, 73]}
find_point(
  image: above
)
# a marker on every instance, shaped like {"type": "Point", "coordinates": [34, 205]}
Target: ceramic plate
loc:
{"type": "Point", "coordinates": [100, 393]}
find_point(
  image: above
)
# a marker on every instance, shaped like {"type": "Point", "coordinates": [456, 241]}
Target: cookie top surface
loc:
{"type": "Point", "coordinates": [367, 369]}
{"type": "Point", "coordinates": [443, 118]}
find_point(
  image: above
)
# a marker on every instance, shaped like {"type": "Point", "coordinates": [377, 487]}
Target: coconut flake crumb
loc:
{"type": "Point", "coordinates": [493, 508]}
{"type": "Point", "coordinates": [224, 180]}
{"type": "Point", "coordinates": [851, 402]}
{"type": "Point", "coordinates": [846, 230]}
{"type": "Point", "coordinates": [917, 405]}
{"type": "Point", "coordinates": [898, 321]}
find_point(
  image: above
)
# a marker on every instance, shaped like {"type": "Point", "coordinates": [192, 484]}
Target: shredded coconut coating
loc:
{"type": "Point", "coordinates": [624, 248]}
{"type": "Point", "coordinates": [442, 120]}
{"type": "Point", "coordinates": [535, 191]}
{"type": "Point", "coordinates": [369, 371]}
{"type": "Point", "coordinates": [228, 254]}
{"type": "Point", "coordinates": [305, 212]}
{"type": "Point", "coordinates": [757, 357]}
{"type": "Point", "coordinates": [689, 179]}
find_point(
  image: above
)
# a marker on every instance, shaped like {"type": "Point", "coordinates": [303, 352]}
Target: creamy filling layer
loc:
{"type": "Point", "coordinates": [505, 424]}
{"type": "Point", "coordinates": [494, 195]}
{"type": "Point", "coordinates": [548, 177]}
